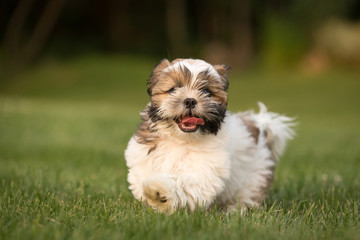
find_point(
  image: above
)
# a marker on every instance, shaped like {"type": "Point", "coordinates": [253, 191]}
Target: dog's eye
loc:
{"type": "Point", "coordinates": [206, 91]}
{"type": "Point", "coordinates": [171, 90]}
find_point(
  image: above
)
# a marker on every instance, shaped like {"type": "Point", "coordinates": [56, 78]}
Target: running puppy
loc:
{"type": "Point", "coordinates": [190, 151]}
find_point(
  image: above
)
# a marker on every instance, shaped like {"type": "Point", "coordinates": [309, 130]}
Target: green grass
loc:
{"type": "Point", "coordinates": [64, 127]}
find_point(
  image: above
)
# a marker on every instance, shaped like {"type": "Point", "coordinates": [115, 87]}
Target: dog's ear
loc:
{"type": "Point", "coordinates": [153, 79]}
{"type": "Point", "coordinates": [222, 70]}
{"type": "Point", "coordinates": [161, 66]}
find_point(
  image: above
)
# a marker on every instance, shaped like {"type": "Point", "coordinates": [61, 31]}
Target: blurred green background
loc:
{"type": "Point", "coordinates": [73, 81]}
{"type": "Point", "coordinates": [105, 50]}
{"type": "Point", "coordinates": [311, 35]}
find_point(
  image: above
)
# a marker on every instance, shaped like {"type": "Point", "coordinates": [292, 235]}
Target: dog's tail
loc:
{"type": "Point", "coordinates": [276, 129]}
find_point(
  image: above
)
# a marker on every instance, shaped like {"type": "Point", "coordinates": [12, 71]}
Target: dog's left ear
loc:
{"type": "Point", "coordinates": [222, 70]}
{"type": "Point", "coordinates": [156, 73]}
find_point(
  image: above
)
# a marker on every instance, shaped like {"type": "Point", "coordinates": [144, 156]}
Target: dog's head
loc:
{"type": "Point", "coordinates": [188, 95]}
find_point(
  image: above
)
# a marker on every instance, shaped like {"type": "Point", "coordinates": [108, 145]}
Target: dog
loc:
{"type": "Point", "coordinates": [191, 152]}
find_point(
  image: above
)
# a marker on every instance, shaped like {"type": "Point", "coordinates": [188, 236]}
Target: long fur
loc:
{"type": "Point", "coordinates": [230, 159]}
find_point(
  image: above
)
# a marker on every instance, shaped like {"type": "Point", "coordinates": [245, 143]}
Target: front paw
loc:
{"type": "Point", "coordinates": [160, 193]}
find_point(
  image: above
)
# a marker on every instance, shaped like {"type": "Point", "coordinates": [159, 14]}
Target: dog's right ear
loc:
{"type": "Point", "coordinates": [156, 73]}
{"type": "Point", "coordinates": [222, 70]}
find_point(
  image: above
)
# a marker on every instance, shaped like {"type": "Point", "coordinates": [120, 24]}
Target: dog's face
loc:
{"type": "Point", "coordinates": [188, 95]}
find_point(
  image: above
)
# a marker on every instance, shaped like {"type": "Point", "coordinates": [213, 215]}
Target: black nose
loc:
{"type": "Point", "coordinates": [190, 102]}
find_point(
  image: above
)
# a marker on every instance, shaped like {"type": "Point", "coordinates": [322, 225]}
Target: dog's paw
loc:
{"type": "Point", "coordinates": [160, 194]}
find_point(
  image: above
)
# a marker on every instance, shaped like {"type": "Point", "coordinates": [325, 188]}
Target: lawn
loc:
{"type": "Point", "coordinates": [64, 126]}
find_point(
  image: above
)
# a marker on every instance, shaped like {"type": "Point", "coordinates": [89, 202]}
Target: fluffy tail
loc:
{"type": "Point", "coordinates": [276, 128]}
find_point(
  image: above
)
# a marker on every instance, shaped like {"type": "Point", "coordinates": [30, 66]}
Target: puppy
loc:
{"type": "Point", "coordinates": [190, 152]}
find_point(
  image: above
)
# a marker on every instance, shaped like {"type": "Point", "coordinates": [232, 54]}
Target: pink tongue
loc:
{"type": "Point", "coordinates": [193, 121]}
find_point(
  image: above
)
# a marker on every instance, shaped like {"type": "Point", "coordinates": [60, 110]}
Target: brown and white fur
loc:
{"type": "Point", "coordinates": [217, 156]}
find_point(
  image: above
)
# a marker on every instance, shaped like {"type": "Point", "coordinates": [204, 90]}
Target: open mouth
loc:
{"type": "Point", "coordinates": [189, 123]}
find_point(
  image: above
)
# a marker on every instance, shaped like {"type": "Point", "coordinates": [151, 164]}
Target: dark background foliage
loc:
{"type": "Point", "coordinates": [242, 33]}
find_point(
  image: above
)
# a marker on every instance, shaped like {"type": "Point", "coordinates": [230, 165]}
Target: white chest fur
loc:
{"type": "Point", "coordinates": [206, 159]}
